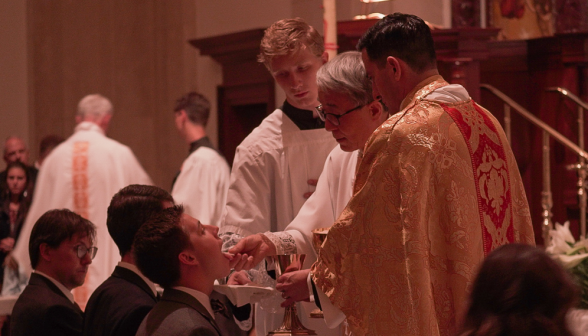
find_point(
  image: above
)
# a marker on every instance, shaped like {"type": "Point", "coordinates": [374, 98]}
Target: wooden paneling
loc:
{"type": "Point", "coordinates": [523, 70]}
{"type": "Point", "coordinates": [134, 53]}
{"type": "Point", "coordinates": [246, 95]}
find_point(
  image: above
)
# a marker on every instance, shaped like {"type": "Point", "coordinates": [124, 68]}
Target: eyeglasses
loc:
{"type": "Point", "coordinates": [82, 250]}
{"type": "Point", "coordinates": [333, 118]}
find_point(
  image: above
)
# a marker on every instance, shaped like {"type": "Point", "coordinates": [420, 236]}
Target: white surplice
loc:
{"type": "Point", "coordinates": [82, 174]}
{"type": "Point", "coordinates": [270, 175]}
{"type": "Point", "coordinates": [269, 178]}
{"type": "Point", "coordinates": [202, 185]}
{"type": "Point", "coordinates": [333, 191]}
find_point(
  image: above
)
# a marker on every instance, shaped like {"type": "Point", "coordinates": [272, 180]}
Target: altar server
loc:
{"type": "Point", "coordinates": [201, 186]}
{"type": "Point", "coordinates": [273, 164]}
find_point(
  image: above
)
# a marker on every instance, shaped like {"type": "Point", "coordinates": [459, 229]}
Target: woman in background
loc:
{"type": "Point", "coordinates": [520, 291]}
{"type": "Point", "coordinates": [14, 208]}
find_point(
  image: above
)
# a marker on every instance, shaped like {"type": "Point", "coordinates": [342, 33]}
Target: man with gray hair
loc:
{"type": "Point", "coordinates": [82, 174]}
{"type": "Point", "coordinates": [351, 114]}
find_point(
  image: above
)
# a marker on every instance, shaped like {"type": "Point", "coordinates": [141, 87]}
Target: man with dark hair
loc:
{"type": "Point", "coordinates": [61, 249]}
{"type": "Point", "coordinates": [184, 257]}
{"type": "Point", "coordinates": [120, 303]}
{"type": "Point", "coordinates": [201, 186]}
{"type": "Point", "coordinates": [437, 189]}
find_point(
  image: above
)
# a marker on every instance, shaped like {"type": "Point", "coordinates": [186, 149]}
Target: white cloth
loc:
{"type": "Point", "coordinates": [270, 175]}
{"type": "Point", "coordinates": [82, 174]}
{"type": "Point", "coordinates": [269, 178]}
{"type": "Point", "coordinates": [202, 185]}
{"type": "Point", "coordinates": [333, 191]}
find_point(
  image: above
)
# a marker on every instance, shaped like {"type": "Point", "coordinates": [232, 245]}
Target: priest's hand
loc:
{"type": "Point", "coordinates": [294, 287]}
{"type": "Point", "coordinates": [256, 246]}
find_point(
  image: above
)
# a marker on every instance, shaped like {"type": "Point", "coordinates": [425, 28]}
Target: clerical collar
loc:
{"type": "Point", "coordinates": [202, 142]}
{"type": "Point", "coordinates": [88, 126]}
{"type": "Point", "coordinates": [304, 119]}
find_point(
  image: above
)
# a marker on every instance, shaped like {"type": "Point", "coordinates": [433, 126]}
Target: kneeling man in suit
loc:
{"type": "Point", "coordinates": [184, 257]}
{"type": "Point", "coordinates": [119, 305]}
{"type": "Point", "coordinates": [61, 248]}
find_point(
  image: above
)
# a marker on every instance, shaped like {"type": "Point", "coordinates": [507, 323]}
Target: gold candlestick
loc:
{"type": "Point", "coordinates": [291, 324]}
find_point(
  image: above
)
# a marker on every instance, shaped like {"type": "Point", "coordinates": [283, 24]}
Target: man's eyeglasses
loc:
{"type": "Point", "coordinates": [82, 250]}
{"type": "Point", "coordinates": [333, 118]}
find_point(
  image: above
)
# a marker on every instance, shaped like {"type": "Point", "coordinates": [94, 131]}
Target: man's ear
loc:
{"type": "Point", "coordinates": [393, 65]}
{"type": "Point", "coordinates": [376, 109]}
{"type": "Point", "coordinates": [186, 257]}
{"type": "Point", "coordinates": [325, 57]}
{"type": "Point", "coordinates": [106, 120]}
{"type": "Point", "coordinates": [45, 251]}
{"type": "Point", "coordinates": [183, 116]}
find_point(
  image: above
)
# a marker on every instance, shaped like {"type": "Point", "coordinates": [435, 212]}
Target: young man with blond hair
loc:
{"type": "Point", "coordinates": [274, 163]}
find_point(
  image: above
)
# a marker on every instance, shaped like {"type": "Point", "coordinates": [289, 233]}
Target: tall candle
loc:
{"type": "Point", "coordinates": [330, 27]}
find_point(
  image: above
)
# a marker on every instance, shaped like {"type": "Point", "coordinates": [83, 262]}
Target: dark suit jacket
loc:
{"type": "Point", "coordinates": [226, 321]}
{"type": "Point", "coordinates": [42, 309]}
{"type": "Point", "coordinates": [178, 314]}
{"type": "Point", "coordinates": [119, 305]}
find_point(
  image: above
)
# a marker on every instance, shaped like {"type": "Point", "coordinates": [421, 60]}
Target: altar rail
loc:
{"type": "Point", "coordinates": [546, 195]}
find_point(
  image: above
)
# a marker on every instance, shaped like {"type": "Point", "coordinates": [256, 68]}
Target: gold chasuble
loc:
{"type": "Point", "coordinates": [437, 189]}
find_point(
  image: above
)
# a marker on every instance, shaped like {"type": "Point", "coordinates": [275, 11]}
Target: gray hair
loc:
{"type": "Point", "coordinates": [345, 74]}
{"type": "Point", "coordinates": [94, 106]}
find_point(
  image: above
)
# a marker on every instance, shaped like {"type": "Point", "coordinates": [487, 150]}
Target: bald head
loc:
{"type": "Point", "coordinates": [15, 149]}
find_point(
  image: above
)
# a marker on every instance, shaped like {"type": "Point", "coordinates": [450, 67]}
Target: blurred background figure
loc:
{"type": "Point", "coordinates": [81, 174]}
{"type": "Point", "coordinates": [46, 146]}
{"type": "Point", "coordinates": [15, 150]}
{"type": "Point", "coordinates": [521, 291]}
{"type": "Point", "coordinates": [202, 183]}
{"type": "Point", "coordinates": [14, 208]}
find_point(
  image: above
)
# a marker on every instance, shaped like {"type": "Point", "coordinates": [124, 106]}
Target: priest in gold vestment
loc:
{"type": "Point", "coordinates": [437, 189]}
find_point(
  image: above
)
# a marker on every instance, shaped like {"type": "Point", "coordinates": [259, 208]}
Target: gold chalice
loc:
{"type": "Point", "coordinates": [291, 324]}
{"type": "Point", "coordinates": [318, 237]}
